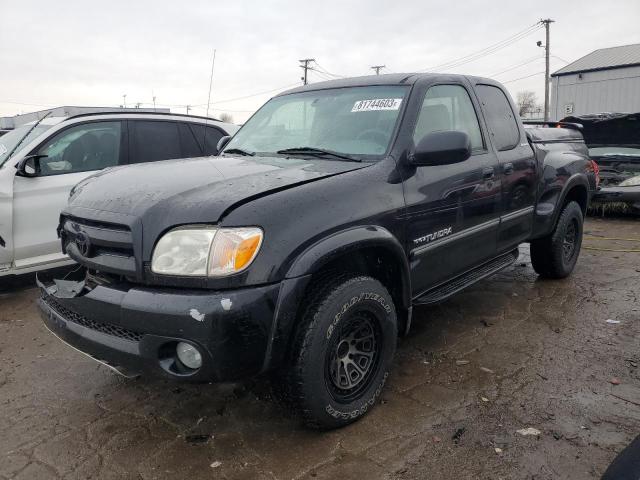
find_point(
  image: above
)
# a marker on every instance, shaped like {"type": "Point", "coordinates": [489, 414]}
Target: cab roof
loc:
{"type": "Point", "coordinates": [386, 79]}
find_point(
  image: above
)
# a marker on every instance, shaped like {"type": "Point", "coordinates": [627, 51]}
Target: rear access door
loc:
{"type": "Point", "coordinates": [517, 166]}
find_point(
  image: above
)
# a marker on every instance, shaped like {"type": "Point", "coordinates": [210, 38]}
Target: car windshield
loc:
{"type": "Point", "coordinates": [604, 151]}
{"type": "Point", "coordinates": [9, 140]}
{"type": "Point", "coordinates": [356, 121]}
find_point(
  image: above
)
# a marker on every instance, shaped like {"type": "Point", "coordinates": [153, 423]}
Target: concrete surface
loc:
{"type": "Point", "coordinates": [540, 354]}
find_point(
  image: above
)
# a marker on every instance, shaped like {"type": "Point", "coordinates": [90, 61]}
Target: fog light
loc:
{"type": "Point", "coordinates": [189, 355]}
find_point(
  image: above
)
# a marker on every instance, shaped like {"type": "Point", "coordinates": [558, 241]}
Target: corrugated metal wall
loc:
{"type": "Point", "coordinates": [615, 90]}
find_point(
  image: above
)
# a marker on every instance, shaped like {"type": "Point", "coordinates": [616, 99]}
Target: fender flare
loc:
{"type": "Point", "coordinates": [331, 247]}
{"type": "Point", "coordinates": [577, 179]}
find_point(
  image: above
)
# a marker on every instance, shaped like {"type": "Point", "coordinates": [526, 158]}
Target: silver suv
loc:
{"type": "Point", "coordinates": [41, 161]}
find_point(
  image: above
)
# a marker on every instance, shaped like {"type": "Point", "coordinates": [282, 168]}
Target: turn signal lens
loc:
{"type": "Point", "coordinates": [234, 249]}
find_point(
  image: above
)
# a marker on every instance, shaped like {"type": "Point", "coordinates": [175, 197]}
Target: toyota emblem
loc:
{"type": "Point", "coordinates": [83, 243]}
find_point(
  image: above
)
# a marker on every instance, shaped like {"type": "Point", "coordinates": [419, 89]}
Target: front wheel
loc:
{"type": "Point", "coordinates": [342, 351]}
{"type": "Point", "coordinates": [555, 255]}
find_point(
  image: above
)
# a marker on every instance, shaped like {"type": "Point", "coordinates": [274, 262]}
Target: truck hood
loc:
{"type": "Point", "coordinates": [198, 189]}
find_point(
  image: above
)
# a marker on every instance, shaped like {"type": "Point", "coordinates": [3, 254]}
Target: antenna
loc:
{"type": "Point", "coordinates": [206, 123]}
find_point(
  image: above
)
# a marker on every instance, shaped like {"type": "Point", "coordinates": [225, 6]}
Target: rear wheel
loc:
{"type": "Point", "coordinates": [342, 352]}
{"type": "Point", "coordinates": [555, 255]}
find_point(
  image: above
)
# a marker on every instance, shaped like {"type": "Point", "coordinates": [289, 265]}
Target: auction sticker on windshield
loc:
{"type": "Point", "coordinates": [376, 104]}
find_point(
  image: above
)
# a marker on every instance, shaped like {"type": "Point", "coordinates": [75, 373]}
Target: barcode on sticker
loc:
{"type": "Point", "coordinates": [377, 104]}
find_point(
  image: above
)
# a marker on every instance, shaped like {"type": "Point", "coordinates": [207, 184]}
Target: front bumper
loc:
{"type": "Point", "coordinates": [135, 329]}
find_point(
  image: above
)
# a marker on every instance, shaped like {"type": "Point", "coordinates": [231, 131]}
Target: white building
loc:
{"type": "Point", "coordinates": [607, 80]}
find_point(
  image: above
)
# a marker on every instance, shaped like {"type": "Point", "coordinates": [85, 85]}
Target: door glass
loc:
{"type": "Point", "coordinates": [190, 147]}
{"type": "Point", "coordinates": [210, 136]}
{"type": "Point", "coordinates": [153, 141]}
{"type": "Point", "coordinates": [83, 148]}
{"type": "Point", "coordinates": [500, 118]}
{"type": "Point", "coordinates": [448, 107]}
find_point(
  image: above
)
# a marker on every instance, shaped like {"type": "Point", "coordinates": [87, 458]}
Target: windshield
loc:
{"type": "Point", "coordinates": [356, 121]}
{"type": "Point", "coordinates": [9, 140]}
{"type": "Point", "coordinates": [604, 151]}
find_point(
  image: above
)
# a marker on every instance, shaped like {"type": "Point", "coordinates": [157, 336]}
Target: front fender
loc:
{"type": "Point", "coordinates": [353, 239]}
{"type": "Point", "coordinates": [310, 261]}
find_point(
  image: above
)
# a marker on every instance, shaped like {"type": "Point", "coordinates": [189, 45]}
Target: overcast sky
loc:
{"type": "Point", "coordinates": [88, 53]}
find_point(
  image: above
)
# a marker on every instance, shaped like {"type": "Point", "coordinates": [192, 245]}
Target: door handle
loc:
{"type": "Point", "coordinates": [488, 173]}
{"type": "Point", "coordinates": [507, 168]}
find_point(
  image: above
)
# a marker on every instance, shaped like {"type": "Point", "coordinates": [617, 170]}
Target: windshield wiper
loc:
{"type": "Point", "coordinates": [317, 152]}
{"type": "Point", "coordinates": [240, 151]}
{"type": "Point", "coordinates": [26, 135]}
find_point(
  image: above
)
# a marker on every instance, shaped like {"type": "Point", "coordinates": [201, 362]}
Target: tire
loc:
{"type": "Point", "coordinates": [346, 320]}
{"type": "Point", "coordinates": [555, 255]}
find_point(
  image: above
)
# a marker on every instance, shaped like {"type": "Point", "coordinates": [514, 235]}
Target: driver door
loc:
{"type": "Point", "coordinates": [70, 156]}
{"type": "Point", "coordinates": [452, 210]}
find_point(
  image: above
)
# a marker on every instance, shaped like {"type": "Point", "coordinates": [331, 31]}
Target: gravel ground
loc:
{"type": "Point", "coordinates": [510, 353]}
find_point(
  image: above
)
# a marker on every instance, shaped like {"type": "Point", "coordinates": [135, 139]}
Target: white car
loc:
{"type": "Point", "coordinates": [40, 162]}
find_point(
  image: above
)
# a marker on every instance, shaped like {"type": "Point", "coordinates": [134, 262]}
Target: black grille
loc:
{"type": "Point", "coordinates": [98, 245]}
{"type": "Point", "coordinates": [106, 328]}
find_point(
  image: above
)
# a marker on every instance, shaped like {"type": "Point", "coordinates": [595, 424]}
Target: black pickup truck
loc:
{"type": "Point", "coordinates": [302, 249]}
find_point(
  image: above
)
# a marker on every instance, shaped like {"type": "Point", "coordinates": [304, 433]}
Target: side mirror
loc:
{"type": "Point", "coordinates": [442, 148]}
{"type": "Point", "coordinates": [223, 142]}
{"type": "Point", "coordinates": [29, 166]}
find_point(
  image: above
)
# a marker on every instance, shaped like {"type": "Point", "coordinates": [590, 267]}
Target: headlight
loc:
{"type": "Point", "coordinates": [630, 182]}
{"type": "Point", "coordinates": [206, 251]}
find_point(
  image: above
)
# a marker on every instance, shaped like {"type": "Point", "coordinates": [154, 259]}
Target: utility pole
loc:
{"type": "Point", "coordinates": [305, 66]}
{"type": "Point", "coordinates": [188, 108]}
{"type": "Point", "coordinates": [124, 100]}
{"type": "Point", "coordinates": [547, 23]}
{"type": "Point", "coordinates": [377, 68]}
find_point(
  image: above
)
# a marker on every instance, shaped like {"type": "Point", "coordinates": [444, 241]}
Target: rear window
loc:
{"type": "Point", "coordinates": [501, 120]}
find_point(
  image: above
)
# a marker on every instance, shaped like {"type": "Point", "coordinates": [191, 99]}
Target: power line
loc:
{"type": "Point", "coordinates": [324, 70]}
{"type": "Point", "coordinates": [526, 62]}
{"type": "Point", "coordinates": [255, 94]}
{"type": "Point", "coordinates": [176, 105]}
{"type": "Point", "coordinates": [561, 59]}
{"type": "Point", "coordinates": [321, 74]}
{"type": "Point", "coordinates": [522, 78]}
{"type": "Point", "coordinates": [487, 50]}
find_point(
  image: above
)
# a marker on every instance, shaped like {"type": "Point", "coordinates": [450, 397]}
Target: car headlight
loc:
{"type": "Point", "coordinates": [206, 251]}
{"type": "Point", "coordinates": [630, 182]}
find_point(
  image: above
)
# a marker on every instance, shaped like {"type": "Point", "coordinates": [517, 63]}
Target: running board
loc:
{"type": "Point", "coordinates": [444, 291]}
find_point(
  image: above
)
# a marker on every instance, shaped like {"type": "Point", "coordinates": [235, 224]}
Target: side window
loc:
{"type": "Point", "coordinates": [189, 144]}
{"type": "Point", "coordinates": [153, 141]}
{"type": "Point", "coordinates": [82, 148]}
{"type": "Point", "coordinates": [208, 135]}
{"type": "Point", "coordinates": [500, 118]}
{"type": "Point", "coordinates": [448, 107]}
